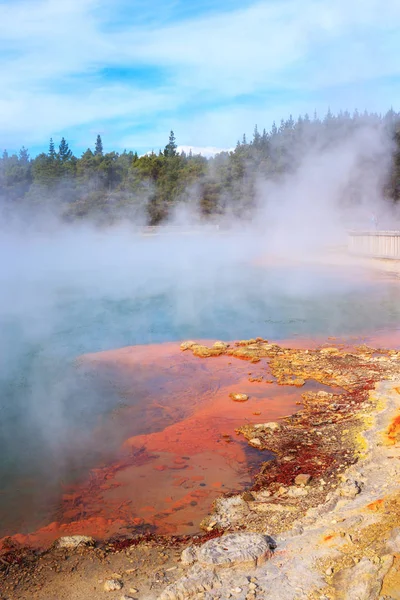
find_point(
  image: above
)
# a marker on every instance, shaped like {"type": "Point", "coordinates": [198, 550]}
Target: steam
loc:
{"type": "Point", "coordinates": [335, 187]}
{"type": "Point", "coordinates": [69, 289]}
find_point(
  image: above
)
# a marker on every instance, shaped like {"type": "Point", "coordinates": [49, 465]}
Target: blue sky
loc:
{"type": "Point", "coordinates": [133, 69]}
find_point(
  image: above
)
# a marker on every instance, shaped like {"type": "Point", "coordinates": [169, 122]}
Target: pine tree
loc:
{"type": "Point", "coordinates": [290, 123]}
{"type": "Point", "coordinates": [274, 130]}
{"type": "Point", "coordinates": [24, 155]}
{"type": "Point", "coordinates": [52, 152]}
{"type": "Point", "coordinates": [5, 155]}
{"type": "Point", "coordinates": [99, 147]}
{"type": "Point", "coordinates": [170, 148]}
{"type": "Point", "coordinates": [328, 116]}
{"type": "Point", "coordinates": [244, 140]}
{"type": "Point", "coordinates": [256, 137]}
{"type": "Point", "coordinates": [63, 151]}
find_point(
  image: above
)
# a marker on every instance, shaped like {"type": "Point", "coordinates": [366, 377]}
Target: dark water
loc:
{"type": "Point", "coordinates": [48, 407]}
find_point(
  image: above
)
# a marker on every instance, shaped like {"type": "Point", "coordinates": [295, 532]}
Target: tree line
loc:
{"type": "Point", "coordinates": [107, 187]}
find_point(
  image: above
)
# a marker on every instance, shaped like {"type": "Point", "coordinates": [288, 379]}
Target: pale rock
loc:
{"type": "Point", "coordinates": [393, 542]}
{"type": "Point", "coordinates": [187, 345]}
{"type": "Point", "coordinates": [265, 507]}
{"type": "Point", "coordinates": [252, 586]}
{"type": "Point", "coordinates": [239, 397]}
{"type": "Point", "coordinates": [350, 489]}
{"type": "Point", "coordinates": [302, 479]}
{"type": "Point", "coordinates": [188, 556]}
{"type": "Point", "coordinates": [220, 345]}
{"type": "Point", "coordinates": [73, 541]}
{"type": "Point", "coordinates": [297, 492]}
{"type": "Point", "coordinates": [255, 442]}
{"type": "Point", "coordinates": [249, 549]}
{"type": "Point", "coordinates": [272, 426]}
{"type": "Point", "coordinates": [363, 581]}
{"type": "Point", "coordinates": [113, 585]}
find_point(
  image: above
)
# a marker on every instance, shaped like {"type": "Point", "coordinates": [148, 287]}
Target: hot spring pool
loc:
{"type": "Point", "coordinates": [57, 306]}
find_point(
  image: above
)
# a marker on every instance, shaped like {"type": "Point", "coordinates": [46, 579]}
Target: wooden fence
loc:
{"type": "Point", "coordinates": [377, 244]}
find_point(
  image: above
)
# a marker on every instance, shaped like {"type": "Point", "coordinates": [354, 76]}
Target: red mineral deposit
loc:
{"type": "Point", "coordinates": [170, 460]}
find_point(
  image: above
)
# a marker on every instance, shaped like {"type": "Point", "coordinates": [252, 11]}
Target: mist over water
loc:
{"type": "Point", "coordinates": [78, 291]}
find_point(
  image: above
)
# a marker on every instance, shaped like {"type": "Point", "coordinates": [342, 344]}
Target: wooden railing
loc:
{"type": "Point", "coordinates": [377, 244]}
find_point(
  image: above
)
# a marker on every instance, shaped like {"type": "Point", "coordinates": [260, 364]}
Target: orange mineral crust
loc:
{"type": "Point", "coordinates": [177, 448]}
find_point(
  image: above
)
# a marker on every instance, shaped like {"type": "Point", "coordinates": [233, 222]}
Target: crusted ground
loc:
{"type": "Point", "coordinates": [328, 504]}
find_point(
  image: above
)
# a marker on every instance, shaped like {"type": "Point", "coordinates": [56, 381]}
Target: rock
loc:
{"type": "Point", "coordinates": [252, 586]}
{"type": "Point", "coordinates": [255, 442]}
{"type": "Point", "coordinates": [265, 507]}
{"type": "Point", "coordinates": [272, 426]}
{"type": "Point", "coordinates": [363, 581]}
{"type": "Point", "coordinates": [236, 590]}
{"type": "Point", "coordinates": [239, 397]}
{"type": "Point", "coordinates": [73, 541]}
{"type": "Point", "coordinates": [187, 345]}
{"type": "Point", "coordinates": [211, 525]}
{"type": "Point", "coordinates": [113, 585]}
{"type": "Point", "coordinates": [237, 548]}
{"type": "Point", "coordinates": [350, 489]}
{"type": "Point", "coordinates": [249, 549]}
{"type": "Point", "coordinates": [197, 581]}
{"type": "Point", "coordinates": [296, 492]}
{"type": "Point", "coordinates": [331, 350]}
{"type": "Point", "coordinates": [393, 543]}
{"type": "Point", "coordinates": [220, 345]}
{"type": "Point", "coordinates": [248, 496]}
{"type": "Point", "coordinates": [302, 479]}
{"type": "Point", "coordinates": [189, 554]}
{"type": "Point", "coordinates": [127, 598]}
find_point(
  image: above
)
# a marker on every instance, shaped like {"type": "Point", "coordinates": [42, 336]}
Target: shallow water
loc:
{"type": "Point", "coordinates": [51, 409]}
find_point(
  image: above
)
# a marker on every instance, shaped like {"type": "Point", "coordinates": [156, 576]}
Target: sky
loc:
{"type": "Point", "coordinates": [132, 70]}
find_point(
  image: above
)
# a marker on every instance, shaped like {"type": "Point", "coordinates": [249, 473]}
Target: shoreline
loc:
{"type": "Point", "coordinates": [301, 513]}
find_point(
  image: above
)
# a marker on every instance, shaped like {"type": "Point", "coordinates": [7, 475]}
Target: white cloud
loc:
{"type": "Point", "coordinates": [52, 54]}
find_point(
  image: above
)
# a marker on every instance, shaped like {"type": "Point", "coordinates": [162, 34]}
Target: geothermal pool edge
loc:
{"type": "Point", "coordinates": [325, 539]}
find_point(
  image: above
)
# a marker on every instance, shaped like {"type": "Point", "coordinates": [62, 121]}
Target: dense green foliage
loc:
{"type": "Point", "coordinates": [106, 187]}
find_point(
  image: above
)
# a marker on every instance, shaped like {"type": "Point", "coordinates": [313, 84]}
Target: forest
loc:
{"type": "Point", "coordinates": [108, 187]}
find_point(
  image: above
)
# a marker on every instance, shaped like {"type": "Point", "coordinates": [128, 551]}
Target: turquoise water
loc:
{"type": "Point", "coordinates": [88, 302]}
